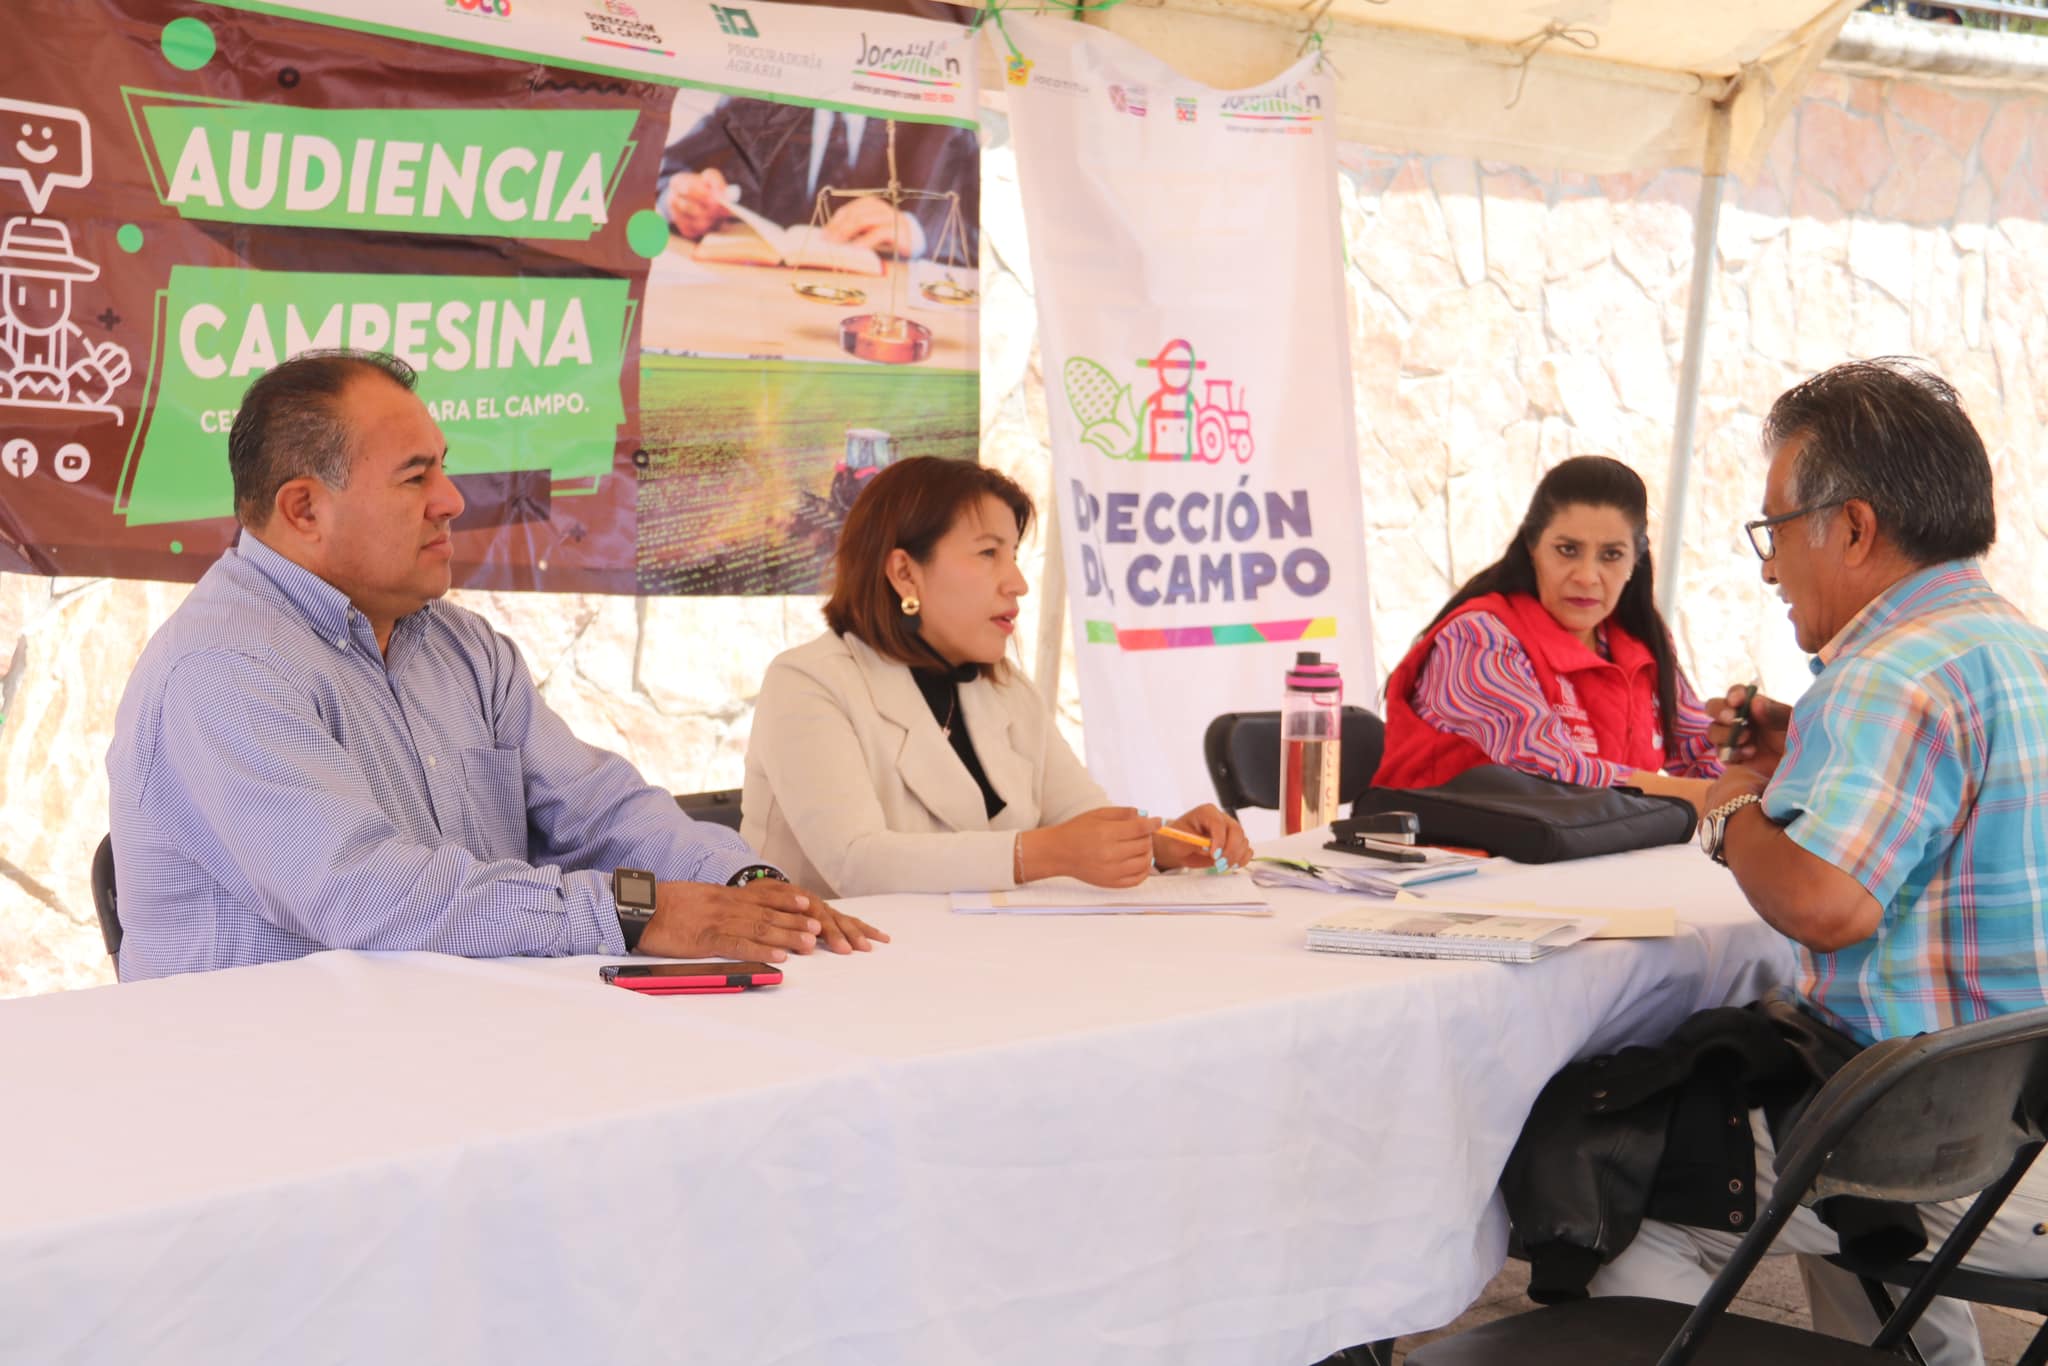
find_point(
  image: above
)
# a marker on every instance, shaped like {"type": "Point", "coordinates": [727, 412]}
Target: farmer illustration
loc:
{"type": "Point", "coordinates": [46, 360]}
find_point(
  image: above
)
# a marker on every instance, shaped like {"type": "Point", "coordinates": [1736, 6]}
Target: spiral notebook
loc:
{"type": "Point", "coordinates": [1410, 930]}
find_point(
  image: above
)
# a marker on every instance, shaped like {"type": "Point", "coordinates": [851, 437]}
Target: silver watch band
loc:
{"type": "Point", "coordinates": [1717, 820]}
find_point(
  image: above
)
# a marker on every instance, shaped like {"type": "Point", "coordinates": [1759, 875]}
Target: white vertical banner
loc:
{"type": "Point", "coordinates": [1185, 246]}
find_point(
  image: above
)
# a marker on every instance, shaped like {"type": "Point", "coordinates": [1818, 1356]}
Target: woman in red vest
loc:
{"type": "Point", "coordinates": [1554, 659]}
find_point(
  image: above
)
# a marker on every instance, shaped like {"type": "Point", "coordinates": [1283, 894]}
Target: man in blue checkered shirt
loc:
{"type": "Point", "coordinates": [1893, 823]}
{"type": "Point", "coordinates": [316, 753]}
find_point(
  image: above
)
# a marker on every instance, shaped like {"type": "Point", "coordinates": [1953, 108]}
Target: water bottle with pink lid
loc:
{"type": "Point", "coordinates": [1311, 735]}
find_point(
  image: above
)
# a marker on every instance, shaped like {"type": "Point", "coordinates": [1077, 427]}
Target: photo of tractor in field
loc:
{"type": "Point", "coordinates": [817, 520]}
{"type": "Point", "coordinates": [868, 453]}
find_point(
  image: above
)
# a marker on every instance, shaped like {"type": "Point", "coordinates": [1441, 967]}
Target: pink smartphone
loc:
{"type": "Point", "coordinates": [690, 979]}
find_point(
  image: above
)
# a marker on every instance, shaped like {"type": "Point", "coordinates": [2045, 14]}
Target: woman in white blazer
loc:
{"type": "Point", "coordinates": [900, 752]}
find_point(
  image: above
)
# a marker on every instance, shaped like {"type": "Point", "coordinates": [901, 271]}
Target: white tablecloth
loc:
{"type": "Point", "coordinates": [1011, 1139]}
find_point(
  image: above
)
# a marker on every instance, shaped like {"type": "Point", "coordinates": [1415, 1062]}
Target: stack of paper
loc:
{"type": "Point", "coordinates": [1374, 879]}
{"type": "Point", "coordinates": [1416, 931]}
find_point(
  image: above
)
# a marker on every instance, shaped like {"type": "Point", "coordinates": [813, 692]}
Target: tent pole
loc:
{"type": "Point", "coordinates": [1705, 228]}
{"type": "Point", "coordinates": [1052, 614]}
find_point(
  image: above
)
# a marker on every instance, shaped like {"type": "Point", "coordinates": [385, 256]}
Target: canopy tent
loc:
{"type": "Point", "coordinates": [1584, 85]}
{"type": "Point", "coordinates": [1596, 86]}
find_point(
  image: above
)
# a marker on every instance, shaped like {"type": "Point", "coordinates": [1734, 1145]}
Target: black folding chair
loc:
{"type": "Point", "coordinates": [721, 807]}
{"type": "Point", "coordinates": [1243, 752]}
{"type": "Point", "coordinates": [1364, 1354]}
{"type": "Point", "coordinates": [103, 898]}
{"type": "Point", "coordinates": [1933, 1117]}
{"type": "Point", "coordinates": [1978, 1287]}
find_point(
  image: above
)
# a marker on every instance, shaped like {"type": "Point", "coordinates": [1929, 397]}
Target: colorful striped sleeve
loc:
{"type": "Point", "coordinates": [1690, 753]}
{"type": "Point", "coordinates": [1478, 684]}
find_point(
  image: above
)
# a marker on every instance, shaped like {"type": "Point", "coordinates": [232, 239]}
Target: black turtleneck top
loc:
{"type": "Point", "coordinates": [942, 694]}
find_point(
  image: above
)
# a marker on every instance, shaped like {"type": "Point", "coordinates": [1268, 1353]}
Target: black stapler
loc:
{"type": "Point", "coordinates": [1388, 835]}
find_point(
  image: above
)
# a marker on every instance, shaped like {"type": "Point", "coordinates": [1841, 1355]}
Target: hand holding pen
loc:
{"type": "Point", "coordinates": [1741, 728]}
{"type": "Point", "coordinates": [1748, 728]}
{"type": "Point", "coordinates": [1204, 837]}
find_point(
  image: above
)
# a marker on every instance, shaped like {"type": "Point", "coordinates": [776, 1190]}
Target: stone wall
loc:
{"type": "Point", "coordinates": [1504, 320]}
{"type": "Point", "coordinates": [1507, 319]}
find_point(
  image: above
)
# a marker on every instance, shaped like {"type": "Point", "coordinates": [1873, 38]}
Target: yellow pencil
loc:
{"type": "Point", "coordinates": [1174, 833]}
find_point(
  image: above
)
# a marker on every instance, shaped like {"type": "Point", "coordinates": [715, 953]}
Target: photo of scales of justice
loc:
{"type": "Point", "coordinates": [887, 335]}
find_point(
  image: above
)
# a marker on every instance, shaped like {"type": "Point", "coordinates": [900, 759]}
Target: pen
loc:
{"type": "Point", "coordinates": [1739, 736]}
{"type": "Point", "coordinates": [1175, 833]}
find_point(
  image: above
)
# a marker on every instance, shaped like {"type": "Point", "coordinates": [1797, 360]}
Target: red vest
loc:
{"type": "Point", "coordinates": [1608, 705]}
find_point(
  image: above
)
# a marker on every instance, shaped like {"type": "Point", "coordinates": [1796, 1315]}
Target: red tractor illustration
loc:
{"type": "Point", "coordinates": [1179, 428]}
{"type": "Point", "coordinates": [1223, 427]}
{"type": "Point", "coordinates": [868, 453]}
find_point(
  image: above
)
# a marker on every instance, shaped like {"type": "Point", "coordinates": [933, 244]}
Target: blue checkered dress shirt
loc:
{"type": "Point", "coordinates": [279, 786]}
{"type": "Point", "coordinates": [1918, 764]}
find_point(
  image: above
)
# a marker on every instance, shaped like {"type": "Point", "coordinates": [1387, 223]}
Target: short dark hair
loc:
{"type": "Point", "coordinates": [1894, 435]}
{"type": "Point", "coordinates": [1598, 481]}
{"type": "Point", "coordinates": [908, 506]}
{"type": "Point", "coordinates": [289, 426]}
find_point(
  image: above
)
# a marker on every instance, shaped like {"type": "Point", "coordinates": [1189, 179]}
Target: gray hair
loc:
{"type": "Point", "coordinates": [291, 427]}
{"type": "Point", "coordinates": [1895, 436]}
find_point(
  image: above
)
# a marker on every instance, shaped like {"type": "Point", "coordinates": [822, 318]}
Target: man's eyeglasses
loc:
{"type": "Point", "coordinates": [1763, 533]}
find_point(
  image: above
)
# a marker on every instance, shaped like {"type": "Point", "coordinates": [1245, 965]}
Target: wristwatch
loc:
{"type": "Point", "coordinates": [1714, 826]}
{"type": "Point", "coordinates": [754, 872]}
{"type": "Point", "coordinates": [633, 896]}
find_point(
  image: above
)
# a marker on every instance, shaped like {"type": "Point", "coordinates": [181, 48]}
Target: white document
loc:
{"type": "Point", "coordinates": [1408, 930]}
{"type": "Point", "coordinates": [1161, 894]}
{"type": "Point", "coordinates": [675, 267]}
{"type": "Point", "coordinates": [1376, 879]}
{"type": "Point", "coordinates": [1616, 922]}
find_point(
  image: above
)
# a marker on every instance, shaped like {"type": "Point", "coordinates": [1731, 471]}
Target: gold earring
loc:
{"type": "Point", "coordinates": [910, 606]}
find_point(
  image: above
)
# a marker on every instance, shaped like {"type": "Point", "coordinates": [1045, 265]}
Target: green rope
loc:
{"type": "Point", "coordinates": [994, 10]}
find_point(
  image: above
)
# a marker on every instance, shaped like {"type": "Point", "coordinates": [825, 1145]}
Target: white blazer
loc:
{"type": "Point", "coordinates": [852, 788]}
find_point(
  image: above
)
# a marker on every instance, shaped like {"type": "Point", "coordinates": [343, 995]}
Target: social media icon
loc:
{"type": "Point", "coordinates": [72, 462]}
{"type": "Point", "coordinates": [18, 457]}
{"type": "Point", "coordinates": [43, 146]}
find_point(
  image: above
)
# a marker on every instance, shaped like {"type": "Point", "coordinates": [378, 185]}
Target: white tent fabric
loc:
{"type": "Point", "coordinates": [1584, 85]}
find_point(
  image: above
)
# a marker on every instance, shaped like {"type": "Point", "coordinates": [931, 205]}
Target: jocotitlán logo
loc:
{"type": "Point", "coordinates": [926, 63]}
{"type": "Point", "coordinates": [482, 9]}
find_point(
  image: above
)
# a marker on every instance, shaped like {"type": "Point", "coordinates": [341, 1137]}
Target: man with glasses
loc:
{"type": "Point", "coordinates": [1893, 822]}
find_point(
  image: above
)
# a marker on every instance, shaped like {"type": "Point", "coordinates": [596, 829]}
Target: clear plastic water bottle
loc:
{"type": "Point", "coordinates": [1311, 736]}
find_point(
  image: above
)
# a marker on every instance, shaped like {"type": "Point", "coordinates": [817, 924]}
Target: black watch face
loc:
{"type": "Point", "coordinates": [633, 889]}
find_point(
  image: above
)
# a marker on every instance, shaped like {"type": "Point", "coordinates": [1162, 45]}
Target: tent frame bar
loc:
{"type": "Point", "coordinates": [1706, 228]}
{"type": "Point", "coordinates": [1052, 606]}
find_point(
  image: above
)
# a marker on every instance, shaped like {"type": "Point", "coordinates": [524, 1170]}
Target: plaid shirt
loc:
{"type": "Point", "coordinates": [1918, 764]}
